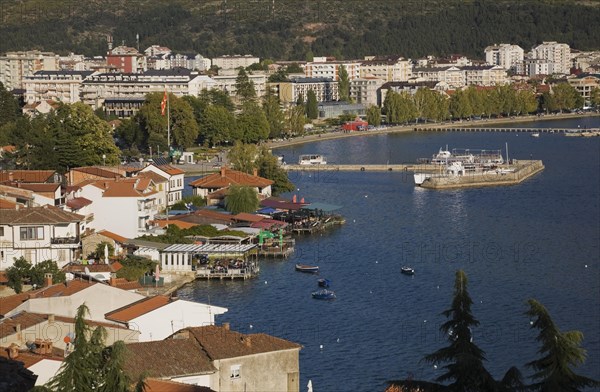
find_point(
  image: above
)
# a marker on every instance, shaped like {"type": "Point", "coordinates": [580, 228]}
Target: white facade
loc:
{"type": "Point", "coordinates": [127, 215]}
{"type": "Point", "coordinates": [60, 86]}
{"type": "Point", "coordinates": [559, 55]}
{"type": "Point", "coordinates": [233, 62]}
{"type": "Point", "coordinates": [160, 323]}
{"type": "Point", "coordinates": [175, 182]}
{"type": "Point", "coordinates": [45, 370]}
{"type": "Point", "coordinates": [15, 66]}
{"type": "Point", "coordinates": [99, 298]}
{"type": "Point", "coordinates": [533, 67]}
{"type": "Point", "coordinates": [37, 242]}
{"type": "Point", "coordinates": [397, 69]}
{"type": "Point", "coordinates": [364, 90]}
{"type": "Point", "coordinates": [331, 69]}
{"type": "Point", "coordinates": [227, 83]}
{"type": "Point", "coordinates": [505, 55]}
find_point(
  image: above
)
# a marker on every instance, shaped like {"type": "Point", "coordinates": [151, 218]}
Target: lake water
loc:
{"type": "Point", "coordinates": [539, 239]}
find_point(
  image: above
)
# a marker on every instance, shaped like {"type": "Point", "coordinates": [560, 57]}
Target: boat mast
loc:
{"type": "Point", "coordinates": [507, 161]}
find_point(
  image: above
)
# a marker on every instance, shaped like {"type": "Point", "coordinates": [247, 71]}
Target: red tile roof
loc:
{"type": "Point", "coordinates": [221, 343]}
{"type": "Point", "coordinates": [130, 187]}
{"type": "Point", "coordinates": [78, 203]}
{"type": "Point", "coordinates": [28, 358]}
{"type": "Point", "coordinates": [98, 171]}
{"type": "Point", "coordinates": [157, 178]}
{"type": "Point", "coordinates": [35, 176]}
{"type": "Point", "coordinates": [178, 223]}
{"type": "Point", "coordinates": [44, 187]}
{"type": "Point", "coordinates": [113, 236]}
{"type": "Point", "coordinates": [124, 284]}
{"type": "Point", "coordinates": [136, 309]}
{"type": "Point", "coordinates": [245, 217]}
{"type": "Point", "coordinates": [156, 385]}
{"type": "Point", "coordinates": [7, 205]}
{"type": "Point", "coordinates": [226, 177]}
{"type": "Point", "coordinates": [39, 215]}
{"type": "Point", "coordinates": [8, 148]}
{"type": "Point", "coordinates": [8, 326]}
{"type": "Point", "coordinates": [166, 358]}
{"type": "Point", "coordinates": [170, 170]}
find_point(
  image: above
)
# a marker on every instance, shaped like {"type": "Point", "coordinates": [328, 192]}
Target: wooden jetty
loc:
{"type": "Point", "coordinates": [502, 129]}
{"type": "Point", "coordinates": [421, 167]}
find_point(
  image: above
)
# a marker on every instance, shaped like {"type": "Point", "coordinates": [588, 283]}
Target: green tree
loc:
{"type": "Point", "coordinates": [268, 167]}
{"type": "Point", "coordinates": [241, 199]}
{"type": "Point", "coordinates": [242, 157]}
{"type": "Point", "coordinates": [391, 107]}
{"type": "Point", "coordinates": [374, 115]}
{"type": "Point", "coordinates": [274, 114]}
{"type": "Point", "coordinates": [294, 68]}
{"type": "Point", "coordinates": [595, 97]}
{"type": "Point", "coordinates": [460, 107]}
{"type": "Point", "coordinates": [294, 120]}
{"type": "Point", "coordinates": [130, 135]}
{"type": "Point", "coordinates": [20, 270]}
{"type": "Point", "coordinates": [98, 252]}
{"type": "Point", "coordinates": [463, 357]}
{"type": "Point", "coordinates": [560, 351]}
{"type": "Point", "coordinates": [252, 123]}
{"type": "Point", "coordinates": [9, 107]}
{"type": "Point", "coordinates": [343, 84]}
{"type": "Point", "coordinates": [312, 109]}
{"type": "Point", "coordinates": [218, 125]}
{"type": "Point", "coordinates": [39, 271]}
{"type": "Point", "coordinates": [184, 128]}
{"type": "Point", "coordinates": [115, 379]}
{"type": "Point", "coordinates": [566, 97]}
{"type": "Point", "coordinates": [244, 87]}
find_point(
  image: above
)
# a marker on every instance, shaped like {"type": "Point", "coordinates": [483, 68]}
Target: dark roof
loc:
{"type": "Point", "coordinates": [78, 202]}
{"type": "Point", "coordinates": [221, 343]}
{"type": "Point", "coordinates": [321, 206]}
{"type": "Point", "coordinates": [38, 215]}
{"type": "Point", "coordinates": [8, 326]}
{"type": "Point", "coordinates": [177, 71]}
{"type": "Point", "coordinates": [36, 176]}
{"type": "Point", "coordinates": [281, 204]}
{"type": "Point", "coordinates": [83, 74]}
{"type": "Point", "coordinates": [166, 358]}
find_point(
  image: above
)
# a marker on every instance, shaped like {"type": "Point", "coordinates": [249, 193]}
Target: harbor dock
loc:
{"type": "Point", "coordinates": [421, 167]}
{"type": "Point", "coordinates": [573, 131]}
{"type": "Point", "coordinates": [513, 174]}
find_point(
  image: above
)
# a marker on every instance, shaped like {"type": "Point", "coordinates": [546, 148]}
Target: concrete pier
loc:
{"type": "Point", "coordinates": [421, 167]}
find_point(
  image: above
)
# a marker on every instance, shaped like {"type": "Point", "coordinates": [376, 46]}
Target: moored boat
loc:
{"type": "Point", "coordinates": [307, 268]}
{"type": "Point", "coordinates": [407, 270]}
{"type": "Point", "coordinates": [323, 294]}
{"type": "Point", "coordinates": [324, 282]}
{"type": "Point", "coordinates": [312, 159]}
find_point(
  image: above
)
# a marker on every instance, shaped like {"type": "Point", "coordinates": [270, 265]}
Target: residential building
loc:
{"type": "Point", "coordinates": [78, 175]}
{"type": "Point", "coordinates": [533, 67]}
{"type": "Point", "coordinates": [584, 84]}
{"type": "Point", "coordinates": [30, 176]}
{"type": "Point", "coordinates": [388, 69]}
{"type": "Point", "coordinates": [320, 67]}
{"type": "Point", "coordinates": [336, 109]}
{"type": "Point", "coordinates": [175, 181]}
{"type": "Point", "coordinates": [156, 317]}
{"type": "Point", "coordinates": [227, 177]}
{"type": "Point", "coordinates": [38, 234]}
{"type": "Point", "coordinates": [36, 108]}
{"type": "Point", "coordinates": [226, 82]}
{"type": "Point", "coordinates": [126, 59]}
{"type": "Point", "coordinates": [407, 87]}
{"type": "Point", "coordinates": [505, 55]}
{"type": "Point", "coordinates": [123, 206]}
{"type": "Point", "coordinates": [63, 299]}
{"type": "Point", "coordinates": [15, 66]}
{"type": "Point", "coordinates": [364, 90]}
{"type": "Point", "coordinates": [585, 60]}
{"type": "Point", "coordinates": [556, 54]}
{"type": "Point", "coordinates": [44, 193]}
{"type": "Point", "coordinates": [453, 77]}
{"type": "Point", "coordinates": [59, 86]}
{"type": "Point", "coordinates": [156, 50]}
{"type": "Point", "coordinates": [326, 90]}
{"type": "Point", "coordinates": [233, 62]}
{"type": "Point", "coordinates": [485, 75]}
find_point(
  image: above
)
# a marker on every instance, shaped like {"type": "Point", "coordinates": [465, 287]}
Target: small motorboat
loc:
{"type": "Point", "coordinates": [323, 294]}
{"type": "Point", "coordinates": [307, 268]}
{"type": "Point", "coordinates": [407, 270]}
{"type": "Point", "coordinates": [324, 282]}
{"type": "Point", "coordinates": [535, 134]}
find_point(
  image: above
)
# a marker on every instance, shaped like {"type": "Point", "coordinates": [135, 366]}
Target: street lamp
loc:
{"type": "Point", "coordinates": [103, 159]}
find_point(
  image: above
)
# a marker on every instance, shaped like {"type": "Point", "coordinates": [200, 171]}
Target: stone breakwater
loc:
{"type": "Point", "coordinates": [523, 169]}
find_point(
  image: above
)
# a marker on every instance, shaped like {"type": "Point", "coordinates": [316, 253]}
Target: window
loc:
{"type": "Point", "coordinates": [2, 231]}
{"type": "Point", "coordinates": [236, 371]}
{"type": "Point", "coordinates": [32, 233]}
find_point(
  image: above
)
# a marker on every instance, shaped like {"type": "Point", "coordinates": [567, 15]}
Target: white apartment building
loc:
{"type": "Point", "coordinates": [59, 86]}
{"type": "Point", "coordinates": [236, 61]}
{"type": "Point", "coordinates": [533, 67]}
{"type": "Point", "coordinates": [175, 178]}
{"type": "Point", "coordinates": [559, 55]}
{"type": "Point", "coordinates": [325, 89]}
{"type": "Point", "coordinates": [485, 75]}
{"type": "Point", "coordinates": [226, 82]}
{"type": "Point", "coordinates": [321, 68]}
{"type": "Point", "coordinates": [122, 206]}
{"type": "Point", "coordinates": [15, 66]}
{"type": "Point", "coordinates": [388, 69]}
{"type": "Point", "coordinates": [453, 77]}
{"type": "Point", "coordinates": [505, 55]}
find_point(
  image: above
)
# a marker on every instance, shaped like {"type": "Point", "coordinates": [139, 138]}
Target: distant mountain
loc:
{"type": "Point", "coordinates": [295, 29]}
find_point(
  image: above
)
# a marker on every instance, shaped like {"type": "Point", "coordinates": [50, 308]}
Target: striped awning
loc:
{"type": "Point", "coordinates": [209, 248]}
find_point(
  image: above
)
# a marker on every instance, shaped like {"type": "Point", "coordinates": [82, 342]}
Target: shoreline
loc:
{"type": "Point", "coordinates": [411, 127]}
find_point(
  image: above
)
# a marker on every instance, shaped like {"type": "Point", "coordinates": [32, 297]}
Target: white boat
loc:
{"type": "Point", "coordinates": [312, 159]}
{"type": "Point", "coordinates": [535, 135]}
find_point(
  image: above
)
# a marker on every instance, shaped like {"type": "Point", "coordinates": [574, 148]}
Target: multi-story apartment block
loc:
{"type": "Point", "coordinates": [123, 94]}
{"type": "Point", "coordinates": [60, 86]}
{"type": "Point", "coordinates": [364, 90]}
{"type": "Point", "coordinates": [325, 89]}
{"type": "Point", "coordinates": [226, 81]}
{"type": "Point", "coordinates": [127, 59]}
{"type": "Point", "coordinates": [585, 60]}
{"type": "Point", "coordinates": [386, 68]}
{"type": "Point", "coordinates": [233, 62]}
{"type": "Point", "coordinates": [170, 61]}
{"type": "Point", "coordinates": [408, 87]}
{"type": "Point", "coordinates": [321, 68]}
{"type": "Point", "coordinates": [559, 55]}
{"type": "Point", "coordinates": [505, 55]}
{"type": "Point", "coordinates": [15, 66]}
{"type": "Point", "coordinates": [584, 85]}
{"type": "Point", "coordinates": [156, 50]}
{"type": "Point", "coordinates": [533, 67]}
{"type": "Point", "coordinates": [453, 77]}
{"type": "Point", "coordinates": [485, 75]}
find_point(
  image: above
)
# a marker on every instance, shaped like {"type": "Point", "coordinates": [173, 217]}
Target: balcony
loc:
{"type": "Point", "coordinates": [64, 241]}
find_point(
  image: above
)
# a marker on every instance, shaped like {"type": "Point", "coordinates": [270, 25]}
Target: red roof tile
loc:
{"type": "Point", "coordinates": [78, 203]}
{"type": "Point", "coordinates": [35, 176]}
{"type": "Point", "coordinates": [226, 177]}
{"type": "Point", "coordinates": [245, 217]}
{"type": "Point", "coordinates": [170, 170]}
{"type": "Point", "coordinates": [113, 236]}
{"type": "Point", "coordinates": [98, 171]}
{"type": "Point", "coordinates": [7, 205]}
{"type": "Point", "coordinates": [39, 215]}
{"type": "Point", "coordinates": [136, 309]}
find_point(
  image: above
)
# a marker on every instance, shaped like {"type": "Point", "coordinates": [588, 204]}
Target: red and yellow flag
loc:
{"type": "Point", "coordinates": [163, 104]}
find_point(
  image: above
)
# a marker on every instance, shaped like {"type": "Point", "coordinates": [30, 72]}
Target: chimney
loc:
{"type": "Point", "coordinates": [113, 279]}
{"type": "Point", "coordinates": [247, 341]}
{"type": "Point", "coordinates": [47, 280]}
{"type": "Point", "coordinates": [255, 172]}
{"type": "Point", "coordinates": [50, 319]}
{"type": "Point", "coordinates": [226, 326]}
{"type": "Point", "coordinates": [11, 176]}
{"type": "Point", "coordinates": [13, 351]}
{"type": "Point", "coordinates": [222, 171]}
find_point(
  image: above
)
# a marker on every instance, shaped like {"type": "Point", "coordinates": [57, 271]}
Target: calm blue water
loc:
{"type": "Point", "coordinates": [536, 240]}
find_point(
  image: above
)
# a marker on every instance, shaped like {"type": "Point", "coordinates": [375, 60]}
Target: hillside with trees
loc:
{"type": "Point", "coordinates": [298, 29]}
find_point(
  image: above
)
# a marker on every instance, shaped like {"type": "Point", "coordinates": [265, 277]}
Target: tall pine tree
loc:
{"type": "Point", "coordinates": [463, 357]}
